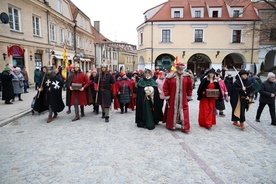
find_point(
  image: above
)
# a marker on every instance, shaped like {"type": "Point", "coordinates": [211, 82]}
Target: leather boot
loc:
{"type": "Point", "coordinates": [242, 125]}
{"type": "Point", "coordinates": [107, 119]}
{"type": "Point", "coordinates": [77, 115]}
{"type": "Point", "coordinates": [49, 120]}
{"type": "Point", "coordinates": [55, 115]}
{"type": "Point", "coordinates": [82, 110]}
{"type": "Point", "coordinates": [103, 115]}
{"type": "Point", "coordinates": [235, 123]}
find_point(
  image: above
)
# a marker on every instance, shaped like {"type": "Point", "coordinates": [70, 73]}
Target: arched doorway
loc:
{"type": "Point", "coordinates": [141, 63]}
{"type": "Point", "coordinates": [198, 63]}
{"type": "Point", "coordinates": [234, 59]}
{"type": "Point", "coordinates": [164, 61]}
{"type": "Point", "coordinates": [270, 61]}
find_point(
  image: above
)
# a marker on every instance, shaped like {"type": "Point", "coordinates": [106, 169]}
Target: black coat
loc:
{"type": "Point", "coordinates": [7, 88]}
{"type": "Point", "coordinates": [105, 95]}
{"type": "Point", "coordinates": [266, 89]}
{"type": "Point", "coordinates": [238, 95]}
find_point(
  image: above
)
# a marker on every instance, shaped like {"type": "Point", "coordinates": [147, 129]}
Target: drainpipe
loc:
{"type": "Point", "coordinates": [47, 18]}
{"type": "Point", "coordinates": [253, 36]}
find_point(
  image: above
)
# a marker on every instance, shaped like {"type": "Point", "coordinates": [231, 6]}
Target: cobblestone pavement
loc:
{"type": "Point", "coordinates": [92, 151]}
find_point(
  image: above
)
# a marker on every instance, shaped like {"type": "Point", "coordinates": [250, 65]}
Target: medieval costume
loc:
{"type": "Point", "coordinates": [69, 79]}
{"type": "Point", "coordinates": [220, 106]}
{"type": "Point", "coordinates": [93, 87]}
{"type": "Point", "coordinates": [104, 80]}
{"type": "Point", "coordinates": [267, 97]}
{"type": "Point", "coordinates": [78, 93]}
{"type": "Point", "coordinates": [148, 105]}
{"type": "Point", "coordinates": [7, 87]}
{"type": "Point", "coordinates": [160, 82]}
{"type": "Point", "coordinates": [178, 89]}
{"type": "Point", "coordinates": [51, 93]}
{"type": "Point", "coordinates": [123, 89]}
{"type": "Point", "coordinates": [207, 111]}
{"type": "Point", "coordinates": [229, 82]}
{"type": "Point", "coordinates": [241, 93]}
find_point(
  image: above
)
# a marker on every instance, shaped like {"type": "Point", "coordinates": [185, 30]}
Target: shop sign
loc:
{"type": "Point", "coordinates": [15, 50]}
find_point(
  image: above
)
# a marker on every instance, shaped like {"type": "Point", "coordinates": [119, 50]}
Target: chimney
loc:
{"type": "Point", "coordinates": [97, 25]}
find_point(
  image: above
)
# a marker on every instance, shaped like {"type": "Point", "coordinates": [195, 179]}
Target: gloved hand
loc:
{"type": "Point", "coordinates": [189, 98]}
{"type": "Point", "coordinates": [226, 98]}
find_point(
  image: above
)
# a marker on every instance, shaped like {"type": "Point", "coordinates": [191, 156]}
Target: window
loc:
{"type": "Point", "coordinates": [141, 38]}
{"type": "Point", "coordinates": [176, 14]}
{"type": "Point", "coordinates": [61, 35]}
{"type": "Point", "coordinates": [215, 14]}
{"type": "Point", "coordinates": [78, 41]}
{"type": "Point", "coordinates": [199, 35]}
{"type": "Point", "coordinates": [236, 13]}
{"type": "Point", "coordinates": [69, 37]}
{"type": "Point", "coordinates": [236, 36]}
{"type": "Point", "coordinates": [166, 35]}
{"type": "Point", "coordinates": [272, 34]}
{"type": "Point", "coordinates": [197, 14]}
{"type": "Point", "coordinates": [52, 32]}
{"type": "Point", "coordinates": [14, 16]}
{"type": "Point", "coordinates": [36, 26]}
{"type": "Point", "coordinates": [59, 6]}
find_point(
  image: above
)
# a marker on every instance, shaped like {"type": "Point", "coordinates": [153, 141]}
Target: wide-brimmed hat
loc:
{"type": "Point", "coordinates": [212, 70]}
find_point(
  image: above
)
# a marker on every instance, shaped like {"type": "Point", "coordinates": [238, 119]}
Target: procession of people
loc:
{"type": "Point", "coordinates": [156, 96]}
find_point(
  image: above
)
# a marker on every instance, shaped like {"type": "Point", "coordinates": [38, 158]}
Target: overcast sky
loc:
{"type": "Point", "coordinates": [118, 18]}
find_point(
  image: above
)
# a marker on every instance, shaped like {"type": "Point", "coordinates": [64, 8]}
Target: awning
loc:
{"type": "Point", "coordinates": [58, 57]}
{"type": "Point", "coordinates": [85, 59]}
{"type": "Point", "coordinates": [61, 57]}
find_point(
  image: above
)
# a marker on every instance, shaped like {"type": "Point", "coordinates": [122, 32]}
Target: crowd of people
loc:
{"type": "Point", "coordinates": [155, 96]}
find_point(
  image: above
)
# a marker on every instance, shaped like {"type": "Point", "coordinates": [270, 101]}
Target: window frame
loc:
{"type": "Point", "coordinates": [197, 33]}
{"type": "Point", "coordinates": [235, 39]}
{"type": "Point", "coordinates": [13, 19]}
{"type": "Point", "coordinates": [236, 13]}
{"type": "Point", "coordinates": [168, 35]}
{"type": "Point", "coordinates": [176, 14]}
{"type": "Point", "coordinates": [141, 38]}
{"type": "Point", "coordinates": [197, 14]}
{"type": "Point", "coordinates": [52, 34]}
{"type": "Point", "coordinates": [34, 17]}
{"type": "Point", "coordinates": [59, 6]}
{"type": "Point", "coordinates": [62, 36]}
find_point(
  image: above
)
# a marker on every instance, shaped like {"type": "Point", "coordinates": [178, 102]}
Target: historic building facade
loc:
{"type": "Point", "coordinates": [203, 34]}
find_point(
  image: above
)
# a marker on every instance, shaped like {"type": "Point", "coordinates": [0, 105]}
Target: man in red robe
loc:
{"type": "Point", "coordinates": [177, 89]}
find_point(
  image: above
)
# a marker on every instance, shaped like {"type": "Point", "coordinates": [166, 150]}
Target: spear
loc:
{"type": "Point", "coordinates": [239, 78]}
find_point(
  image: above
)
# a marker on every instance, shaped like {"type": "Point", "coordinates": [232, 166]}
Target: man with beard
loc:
{"type": "Point", "coordinates": [178, 89]}
{"type": "Point", "coordinates": [51, 89]}
{"type": "Point", "coordinates": [104, 82]}
{"type": "Point", "coordinates": [148, 103]}
{"type": "Point", "coordinates": [241, 93]}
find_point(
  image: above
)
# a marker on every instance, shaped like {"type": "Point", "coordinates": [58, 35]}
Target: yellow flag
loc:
{"type": "Point", "coordinates": [174, 64]}
{"type": "Point", "coordinates": [65, 60]}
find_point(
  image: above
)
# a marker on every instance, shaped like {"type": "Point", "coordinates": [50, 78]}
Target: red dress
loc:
{"type": "Point", "coordinates": [207, 111]}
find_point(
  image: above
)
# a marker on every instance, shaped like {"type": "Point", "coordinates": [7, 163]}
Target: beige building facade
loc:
{"type": "Point", "coordinates": [204, 35]}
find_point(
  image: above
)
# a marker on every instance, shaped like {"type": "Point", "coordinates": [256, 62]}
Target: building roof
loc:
{"type": "Point", "coordinates": [99, 38]}
{"type": "Point", "coordinates": [260, 5]}
{"type": "Point", "coordinates": [164, 13]}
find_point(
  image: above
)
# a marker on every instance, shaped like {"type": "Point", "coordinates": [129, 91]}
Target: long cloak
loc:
{"type": "Point", "coordinates": [177, 108]}
{"type": "Point", "coordinates": [148, 113]}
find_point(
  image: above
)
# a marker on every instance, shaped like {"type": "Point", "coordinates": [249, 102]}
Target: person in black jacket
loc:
{"type": "Point", "coordinates": [7, 93]}
{"type": "Point", "coordinates": [241, 93]}
{"type": "Point", "coordinates": [267, 97]}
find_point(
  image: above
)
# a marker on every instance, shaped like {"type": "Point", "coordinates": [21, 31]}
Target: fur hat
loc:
{"type": "Point", "coordinates": [241, 72]}
{"type": "Point", "coordinates": [180, 65]}
{"type": "Point", "coordinates": [76, 65]}
{"type": "Point", "coordinates": [270, 75]}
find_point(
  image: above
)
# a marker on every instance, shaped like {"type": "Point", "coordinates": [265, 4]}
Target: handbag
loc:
{"type": "Point", "coordinates": [76, 86]}
{"type": "Point", "coordinates": [21, 84]}
{"type": "Point", "coordinates": [214, 93]}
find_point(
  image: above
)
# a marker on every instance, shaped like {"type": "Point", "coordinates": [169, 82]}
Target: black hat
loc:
{"type": "Point", "coordinates": [241, 72]}
{"type": "Point", "coordinates": [212, 70]}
